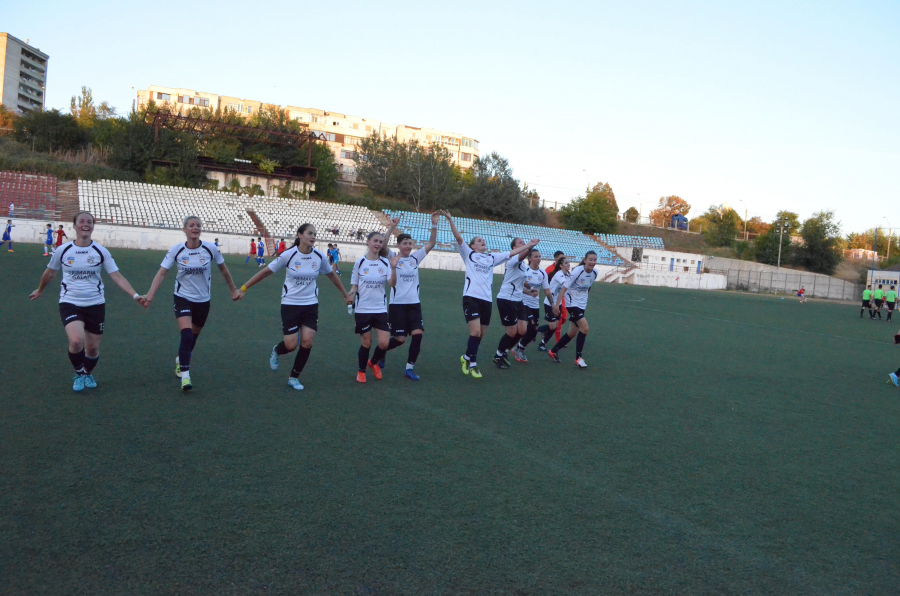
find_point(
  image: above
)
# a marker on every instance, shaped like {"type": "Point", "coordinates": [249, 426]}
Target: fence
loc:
{"type": "Point", "coordinates": [783, 282]}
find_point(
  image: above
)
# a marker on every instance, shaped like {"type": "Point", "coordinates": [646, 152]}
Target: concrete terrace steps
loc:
{"type": "Point", "coordinates": [67, 199]}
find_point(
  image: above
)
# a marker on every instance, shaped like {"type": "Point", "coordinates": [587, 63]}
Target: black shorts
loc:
{"type": "Point", "coordinates": [533, 315]}
{"type": "Point", "coordinates": [867, 304]}
{"type": "Point", "coordinates": [405, 318]}
{"type": "Point", "coordinates": [294, 316]}
{"type": "Point", "coordinates": [476, 308]}
{"type": "Point", "coordinates": [575, 313]}
{"type": "Point", "coordinates": [198, 311]}
{"type": "Point", "coordinates": [510, 312]}
{"type": "Point", "coordinates": [365, 322]}
{"type": "Point", "coordinates": [548, 313]}
{"type": "Point", "coordinates": [890, 305]}
{"type": "Point", "coordinates": [93, 317]}
{"type": "Point", "coordinates": [878, 303]}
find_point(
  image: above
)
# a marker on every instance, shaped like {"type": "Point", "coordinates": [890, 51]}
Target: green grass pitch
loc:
{"type": "Point", "coordinates": [718, 444]}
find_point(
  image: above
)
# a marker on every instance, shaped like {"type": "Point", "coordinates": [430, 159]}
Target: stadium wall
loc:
{"type": "Point", "coordinates": [675, 279]}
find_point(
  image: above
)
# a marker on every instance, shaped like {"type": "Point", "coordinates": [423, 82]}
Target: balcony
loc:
{"type": "Point", "coordinates": [29, 102]}
{"type": "Point", "coordinates": [31, 92]}
{"type": "Point", "coordinates": [33, 69]}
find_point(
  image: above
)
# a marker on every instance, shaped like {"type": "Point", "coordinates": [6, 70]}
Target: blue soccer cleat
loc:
{"type": "Point", "coordinates": [273, 359]}
{"type": "Point", "coordinates": [295, 383]}
{"type": "Point", "coordinates": [411, 374]}
{"type": "Point", "coordinates": [894, 379]}
{"type": "Point", "coordinates": [90, 382]}
{"type": "Point", "coordinates": [78, 383]}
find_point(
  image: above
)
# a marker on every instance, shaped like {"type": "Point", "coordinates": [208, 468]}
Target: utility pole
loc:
{"type": "Point", "coordinates": [782, 224]}
{"type": "Point", "coordinates": [745, 224]}
{"type": "Point", "coordinates": [874, 256]}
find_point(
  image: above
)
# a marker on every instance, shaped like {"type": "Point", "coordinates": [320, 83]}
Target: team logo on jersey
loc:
{"type": "Point", "coordinates": [366, 271]}
{"type": "Point", "coordinates": [70, 261]}
{"type": "Point", "coordinates": [185, 260]}
{"type": "Point", "coordinates": [400, 265]}
{"type": "Point", "coordinates": [381, 270]}
{"type": "Point", "coordinates": [91, 260]}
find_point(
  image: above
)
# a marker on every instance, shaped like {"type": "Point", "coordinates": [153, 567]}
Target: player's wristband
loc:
{"type": "Point", "coordinates": [136, 296]}
{"type": "Point", "coordinates": [433, 227]}
{"type": "Point", "coordinates": [243, 288]}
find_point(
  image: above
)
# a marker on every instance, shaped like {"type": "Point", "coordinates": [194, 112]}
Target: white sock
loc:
{"type": "Point", "coordinates": [186, 374]}
{"type": "Point", "coordinates": [410, 366]}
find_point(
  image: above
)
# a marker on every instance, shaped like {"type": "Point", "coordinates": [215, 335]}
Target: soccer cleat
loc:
{"type": "Point", "coordinates": [90, 382]}
{"type": "Point", "coordinates": [580, 363]}
{"type": "Point", "coordinates": [411, 374]}
{"type": "Point", "coordinates": [273, 360]}
{"type": "Point", "coordinates": [381, 364]}
{"type": "Point", "coordinates": [473, 370]}
{"type": "Point", "coordinates": [10, 250]}
{"type": "Point", "coordinates": [295, 383]}
{"type": "Point", "coordinates": [897, 339]}
{"type": "Point", "coordinates": [894, 379]}
{"type": "Point", "coordinates": [186, 384]}
{"type": "Point", "coordinates": [542, 347]}
{"type": "Point", "coordinates": [519, 355]}
{"type": "Point", "coordinates": [177, 367]}
{"type": "Point", "coordinates": [78, 383]}
{"type": "Point", "coordinates": [465, 365]}
{"type": "Point", "coordinates": [554, 357]}
{"type": "Point", "coordinates": [501, 362]}
{"type": "Point", "coordinates": [360, 377]}
{"type": "Point", "coordinates": [376, 370]}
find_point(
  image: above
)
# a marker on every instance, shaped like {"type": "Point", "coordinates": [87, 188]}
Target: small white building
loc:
{"type": "Point", "coordinates": [885, 278]}
{"type": "Point", "coordinates": [663, 260]}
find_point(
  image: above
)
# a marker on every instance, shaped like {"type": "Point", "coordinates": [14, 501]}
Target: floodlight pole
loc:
{"type": "Point", "coordinates": [874, 255]}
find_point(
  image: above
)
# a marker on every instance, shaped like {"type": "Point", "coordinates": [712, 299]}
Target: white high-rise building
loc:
{"type": "Point", "coordinates": [23, 69]}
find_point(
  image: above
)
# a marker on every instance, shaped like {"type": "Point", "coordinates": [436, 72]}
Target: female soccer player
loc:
{"type": "Point", "coordinates": [302, 264]}
{"type": "Point", "coordinates": [60, 234]}
{"type": "Point", "coordinates": [367, 284]}
{"type": "Point", "coordinates": [193, 259]}
{"type": "Point", "coordinates": [576, 290]}
{"type": "Point", "coordinates": [558, 275]}
{"type": "Point", "coordinates": [477, 296]}
{"type": "Point", "coordinates": [48, 241]}
{"type": "Point", "coordinates": [405, 311]}
{"type": "Point", "coordinates": [7, 234]}
{"type": "Point", "coordinates": [537, 281]}
{"type": "Point", "coordinates": [509, 304]}
{"type": "Point", "coordinates": [82, 304]}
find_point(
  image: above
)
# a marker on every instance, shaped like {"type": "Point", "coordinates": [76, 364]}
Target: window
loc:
{"type": "Point", "coordinates": [348, 154]}
{"type": "Point", "coordinates": [249, 109]}
{"type": "Point", "coordinates": [299, 117]}
{"type": "Point", "coordinates": [368, 128]}
{"type": "Point", "coordinates": [163, 96]}
{"type": "Point", "coordinates": [335, 123]}
{"type": "Point", "coordinates": [465, 157]}
{"type": "Point", "coordinates": [355, 126]}
{"type": "Point", "coordinates": [428, 138]}
{"type": "Point", "coordinates": [201, 101]}
{"type": "Point", "coordinates": [692, 261]}
{"type": "Point", "coordinates": [315, 118]}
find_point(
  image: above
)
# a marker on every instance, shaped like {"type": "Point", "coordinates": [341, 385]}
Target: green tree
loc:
{"type": "Point", "coordinates": [323, 159]}
{"type": "Point", "coordinates": [766, 247]}
{"type": "Point", "coordinates": [669, 206]}
{"type": "Point", "coordinates": [821, 248]}
{"type": "Point", "coordinates": [82, 108]}
{"type": "Point", "coordinates": [49, 130]}
{"type": "Point", "coordinates": [631, 215]}
{"type": "Point", "coordinates": [594, 213]}
{"type": "Point", "coordinates": [491, 190]}
{"type": "Point", "coordinates": [723, 227]}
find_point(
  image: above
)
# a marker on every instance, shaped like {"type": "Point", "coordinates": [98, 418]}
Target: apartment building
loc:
{"type": "Point", "coordinates": [23, 69]}
{"type": "Point", "coordinates": [341, 132]}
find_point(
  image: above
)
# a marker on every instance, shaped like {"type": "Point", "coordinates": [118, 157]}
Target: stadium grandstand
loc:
{"type": "Point", "coordinates": [632, 241]}
{"type": "Point", "coordinates": [33, 195]}
{"type": "Point", "coordinates": [498, 235]}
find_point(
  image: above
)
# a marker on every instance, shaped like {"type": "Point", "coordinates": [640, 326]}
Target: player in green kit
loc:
{"type": "Point", "coordinates": [879, 300]}
{"type": "Point", "coordinates": [867, 303]}
{"type": "Point", "coordinates": [891, 300]}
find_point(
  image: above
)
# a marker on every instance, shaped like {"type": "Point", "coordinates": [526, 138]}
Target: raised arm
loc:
{"type": "Point", "coordinates": [46, 277]}
{"type": "Point", "coordinates": [456, 235]}
{"type": "Point", "coordinates": [392, 282]}
{"type": "Point", "coordinates": [385, 251]}
{"type": "Point", "coordinates": [531, 244]}
{"type": "Point", "coordinates": [432, 240]}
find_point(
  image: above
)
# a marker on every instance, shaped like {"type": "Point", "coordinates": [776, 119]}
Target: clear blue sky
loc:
{"type": "Point", "coordinates": [763, 105]}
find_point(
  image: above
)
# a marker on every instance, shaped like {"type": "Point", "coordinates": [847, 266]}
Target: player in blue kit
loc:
{"type": "Point", "coordinates": [260, 252]}
{"type": "Point", "coordinates": [82, 303]}
{"type": "Point", "coordinates": [193, 260]}
{"type": "Point", "coordinates": [302, 265]}
{"type": "Point", "coordinates": [7, 235]}
{"type": "Point", "coordinates": [48, 241]}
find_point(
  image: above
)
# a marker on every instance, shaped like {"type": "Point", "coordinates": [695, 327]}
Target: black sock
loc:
{"type": "Point", "coordinates": [565, 339]}
{"type": "Point", "coordinates": [300, 360]}
{"type": "Point", "coordinates": [77, 360]}
{"type": "Point", "coordinates": [393, 344]}
{"type": "Point", "coordinates": [472, 348]}
{"type": "Point", "coordinates": [579, 344]}
{"type": "Point", "coordinates": [547, 334]}
{"type": "Point", "coordinates": [529, 336]}
{"type": "Point", "coordinates": [90, 363]}
{"type": "Point", "coordinates": [184, 350]}
{"type": "Point", "coordinates": [378, 355]}
{"type": "Point", "coordinates": [506, 342]}
{"type": "Point", "coordinates": [363, 357]}
{"type": "Point", "coordinates": [281, 349]}
{"type": "Point", "coordinates": [415, 344]}
{"type": "Point", "coordinates": [194, 337]}
{"type": "Point", "coordinates": [871, 314]}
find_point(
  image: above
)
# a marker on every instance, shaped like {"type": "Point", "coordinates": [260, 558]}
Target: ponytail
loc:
{"type": "Point", "coordinates": [557, 267]}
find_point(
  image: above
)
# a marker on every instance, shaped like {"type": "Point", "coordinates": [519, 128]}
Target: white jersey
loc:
{"type": "Point", "coordinates": [513, 280]}
{"type": "Point", "coordinates": [407, 289]}
{"type": "Point", "coordinates": [194, 266]}
{"type": "Point", "coordinates": [300, 273]}
{"type": "Point", "coordinates": [556, 286]}
{"type": "Point", "coordinates": [536, 280]}
{"type": "Point", "coordinates": [480, 271]}
{"type": "Point", "coordinates": [577, 287]}
{"type": "Point", "coordinates": [81, 283]}
{"type": "Point", "coordinates": [371, 278]}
